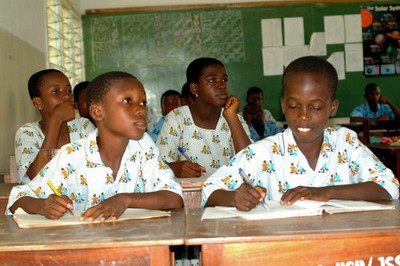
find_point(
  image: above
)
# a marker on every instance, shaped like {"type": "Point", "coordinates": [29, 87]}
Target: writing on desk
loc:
{"type": "Point", "coordinates": [382, 261]}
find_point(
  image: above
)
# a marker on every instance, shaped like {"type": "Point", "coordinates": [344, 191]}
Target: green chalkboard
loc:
{"type": "Point", "coordinates": [157, 45]}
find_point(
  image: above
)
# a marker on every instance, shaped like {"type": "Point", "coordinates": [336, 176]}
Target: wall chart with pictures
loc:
{"type": "Point", "coordinates": [381, 39]}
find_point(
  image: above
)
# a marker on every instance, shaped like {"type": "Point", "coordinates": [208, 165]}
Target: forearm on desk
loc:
{"type": "Point", "coordinates": [361, 191]}
{"type": "Point", "coordinates": [221, 197]}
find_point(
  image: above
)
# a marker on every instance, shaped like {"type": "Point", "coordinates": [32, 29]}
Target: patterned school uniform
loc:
{"type": "Point", "coordinates": [210, 148]}
{"type": "Point", "coordinates": [29, 138]}
{"type": "Point", "coordinates": [363, 110]}
{"type": "Point", "coordinates": [78, 172]}
{"type": "Point", "coordinates": [277, 164]}
{"type": "Point", "coordinates": [270, 128]}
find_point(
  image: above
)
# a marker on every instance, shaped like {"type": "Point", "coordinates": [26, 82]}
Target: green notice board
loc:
{"type": "Point", "coordinates": [157, 45]}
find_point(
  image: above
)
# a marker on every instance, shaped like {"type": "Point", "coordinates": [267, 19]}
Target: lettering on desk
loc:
{"type": "Point", "coordinates": [381, 261]}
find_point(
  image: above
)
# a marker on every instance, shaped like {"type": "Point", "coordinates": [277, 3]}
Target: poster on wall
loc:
{"type": "Point", "coordinates": [381, 39]}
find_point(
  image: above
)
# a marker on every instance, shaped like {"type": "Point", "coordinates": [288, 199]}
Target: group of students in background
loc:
{"type": "Point", "coordinates": [112, 164]}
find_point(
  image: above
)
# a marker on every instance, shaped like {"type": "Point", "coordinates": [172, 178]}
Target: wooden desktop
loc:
{"type": "Point", "coordinates": [338, 239]}
{"type": "Point", "coordinates": [134, 242]}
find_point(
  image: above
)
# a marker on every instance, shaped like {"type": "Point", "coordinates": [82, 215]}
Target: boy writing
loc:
{"type": "Point", "coordinates": [114, 168]}
{"type": "Point", "coordinates": [307, 160]}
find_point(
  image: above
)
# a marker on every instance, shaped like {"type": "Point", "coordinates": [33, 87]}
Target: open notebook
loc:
{"type": "Point", "coordinates": [298, 209]}
{"type": "Point", "coordinates": [25, 220]}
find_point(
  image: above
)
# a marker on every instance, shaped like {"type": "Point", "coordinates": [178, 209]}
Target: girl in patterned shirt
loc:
{"type": "Point", "coordinates": [116, 167]}
{"type": "Point", "coordinates": [208, 129]}
{"type": "Point", "coordinates": [307, 160]}
{"type": "Point", "coordinates": [51, 94]}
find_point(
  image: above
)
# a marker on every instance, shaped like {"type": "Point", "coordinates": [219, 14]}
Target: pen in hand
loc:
{"type": "Point", "coordinates": [246, 180]}
{"type": "Point", "coordinates": [57, 193]}
{"type": "Point", "coordinates": [184, 154]}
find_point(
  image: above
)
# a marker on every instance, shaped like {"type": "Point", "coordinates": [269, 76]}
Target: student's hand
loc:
{"type": "Point", "coordinates": [247, 197]}
{"type": "Point", "coordinates": [112, 208]}
{"type": "Point", "coordinates": [55, 207]}
{"type": "Point", "coordinates": [185, 169]}
{"type": "Point", "coordinates": [231, 106]}
{"type": "Point", "coordinates": [303, 193]}
{"type": "Point", "coordinates": [64, 111]}
{"type": "Point", "coordinates": [383, 118]}
{"type": "Point", "coordinates": [383, 99]}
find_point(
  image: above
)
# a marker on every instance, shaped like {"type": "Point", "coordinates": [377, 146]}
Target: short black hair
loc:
{"type": "Point", "coordinates": [78, 88]}
{"type": "Point", "coordinates": [195, 68]}
{"type": "Point", "coordinates": [369, 87]}
{"type": "Point", "coordinates": [311, 64]}
{"type": "Point", "coordinates": [170, 93]}
{"type": "Point", "coordinates": [185, 91]}
{"type": "Point", "coordinates": [35, 81]}
{"type": "Point", "coordinates": [252, 90]}
{"type": "Point", "coordinates": [100, 85]}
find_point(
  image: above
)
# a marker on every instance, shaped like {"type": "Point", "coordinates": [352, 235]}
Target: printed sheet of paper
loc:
{"type": "Point", "coordinates": [293, 52]}
{"type": "Point", "coordinates": [334, 29]}
{"type": "Point", "coordinates": [271, 32]}
{"type": "Point", "coordinates": [337, 60]}
{"type": "Point", "coordinates": [354, 57]}
{"type": "Point", "coordinates": [25, 220]}
{"type": "Point", "coordinates": [317, 44]}
{"type": "Point", "coordinates": [293, 31]}
{"type": "Point", "coordinates": [272, 61]}
{"type": "Point", "coordinates": [353, 29]}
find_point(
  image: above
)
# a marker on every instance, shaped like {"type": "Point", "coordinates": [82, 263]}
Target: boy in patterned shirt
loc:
{"type": "Point", "coordinates": [307, 160]}
{"type": "Point", "coordinates": [116, 167]}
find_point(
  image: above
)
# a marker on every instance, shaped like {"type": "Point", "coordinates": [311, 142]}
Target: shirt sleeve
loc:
{"type": "Point", "coordinates": [168, 139]}
{"type": "Point", "coordinates": [27, 145]}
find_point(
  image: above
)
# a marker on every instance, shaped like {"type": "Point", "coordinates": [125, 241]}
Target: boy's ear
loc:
{"type": "Point", "coordinates": [37, 103]}
{"type": "Point", "coordinates": [96, 111]}
{"type": "Point", "coordinates": [334, 108]}
{"type": "Point", "coordinates": [193, 88]}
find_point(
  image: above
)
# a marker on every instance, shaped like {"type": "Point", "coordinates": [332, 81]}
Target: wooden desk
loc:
{"type": "Point", "coordinates": [338, 239]}
{"type": "Point", "coordinates": [389, 155]}
{"type": "Point", "coordinates": [191, 190]}
{"type": "Point", "coordinates": [5, 189]}
{"type": "Point", "coordinates": [135, 242]}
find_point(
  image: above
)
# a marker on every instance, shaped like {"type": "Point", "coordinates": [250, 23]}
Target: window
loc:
{"type": "Point", "coordinates": [65, 40]}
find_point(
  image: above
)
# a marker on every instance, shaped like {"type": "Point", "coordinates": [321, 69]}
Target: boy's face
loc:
{"type": "Point", "coordinates": [307, 105]}
{"type": "Point", "coordinates": [169, 103]}
{"type": "Point", "coordinates": [373, 95]}
{"type": "Point", "coordinates": [81, 104]}
{"type": "Point", "coordinates": [256, 98]}
{"type": "Point", "coordinates": [54, 89]}
{"type": "Point", "coordinates": [123, 109]}
{"type": "Point", "coordinates": [212, 87]}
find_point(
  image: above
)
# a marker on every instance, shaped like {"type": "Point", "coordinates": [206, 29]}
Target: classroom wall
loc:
{"type": "Point", "coordinates": [22, 52]}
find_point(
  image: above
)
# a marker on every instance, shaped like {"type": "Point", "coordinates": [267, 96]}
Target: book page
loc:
{"type": "Point", "coordinates": [276, 211]}
{"type": "Point", "coordinates": [298, 209]}
{"type": "Point", "coordinates": [25, 220]}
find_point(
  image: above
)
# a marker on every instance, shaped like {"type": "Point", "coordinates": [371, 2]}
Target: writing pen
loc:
{"type": "Point", "coordinates": [246, 180]}
{"type": "Point", "coordinates": [185, 154]}
{"type": "Point", "coordinates": [57, 193]}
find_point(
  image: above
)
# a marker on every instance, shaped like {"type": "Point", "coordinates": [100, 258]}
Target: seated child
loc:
{"type": "Point", "coordinates": [170, 100]}
{"type": "Point", "coordinates": [377, 106]}
{"type": "Point", "coordinates": [51, 94]}
{"type": "Point", "coordinates": [116, 167]}
{"type": "Point", "coordinates": [307, 160]}
{"type": "Point", "coordinates": [208, 129]}
{"type": "Point", "coordinates": [80, 99]}
{"type": "Point", "coordinates": [258, 125]}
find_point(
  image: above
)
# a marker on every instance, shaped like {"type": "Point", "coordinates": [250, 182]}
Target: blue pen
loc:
{"type": "Point", "coordinates": [185, 154]}
{"type": "Point", "coordinates": [246, 179]}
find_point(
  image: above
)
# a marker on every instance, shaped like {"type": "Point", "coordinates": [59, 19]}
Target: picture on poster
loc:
{"type": "Point", "coordinates": [381, 39]}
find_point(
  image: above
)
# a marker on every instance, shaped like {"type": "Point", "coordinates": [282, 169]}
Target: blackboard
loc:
{"type": "Point", "coordinates": [157, 45]}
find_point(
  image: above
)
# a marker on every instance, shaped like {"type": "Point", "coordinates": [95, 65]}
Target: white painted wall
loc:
{"type": "Point", "coordinates": [25, 19]}
{"type": "Point", "coordinates": [23, 46]}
